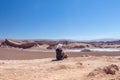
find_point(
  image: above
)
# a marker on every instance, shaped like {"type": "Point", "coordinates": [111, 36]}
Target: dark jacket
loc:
{"type": "Point", "coordinates": [59, 54]}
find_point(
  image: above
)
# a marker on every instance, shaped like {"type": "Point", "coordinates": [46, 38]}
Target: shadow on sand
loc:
{"type": "Point", "coordinates": [55, 60]}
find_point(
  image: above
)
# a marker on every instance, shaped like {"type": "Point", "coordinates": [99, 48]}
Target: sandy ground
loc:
{"type": "Point", "coordinates": [69, 69]}
{"type": "Point", "coordinates": [88, 67]}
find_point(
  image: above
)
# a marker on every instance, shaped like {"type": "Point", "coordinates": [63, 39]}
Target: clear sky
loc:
{"type": "Point", "coordinates": [60, 19]}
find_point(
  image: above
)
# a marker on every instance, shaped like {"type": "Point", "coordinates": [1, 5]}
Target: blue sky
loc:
{"type": "Point", "coordinates": [60, 19]}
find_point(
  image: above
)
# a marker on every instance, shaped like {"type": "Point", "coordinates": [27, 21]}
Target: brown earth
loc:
{"type": "Point", "coordinates": [24, 54]}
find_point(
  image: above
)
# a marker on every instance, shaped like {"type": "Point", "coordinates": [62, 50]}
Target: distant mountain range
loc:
{"type": "Point", "coordinates": [106, 39]}
{"type": "Point", "coordinates": [96, 40]}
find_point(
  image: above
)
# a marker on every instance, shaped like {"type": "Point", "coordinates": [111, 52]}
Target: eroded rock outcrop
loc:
{"type": "Point", "coordinates": [24, 45]}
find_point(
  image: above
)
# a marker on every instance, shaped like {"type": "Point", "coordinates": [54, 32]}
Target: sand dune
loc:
{"type": "Point", "coordinates": [70, 69]}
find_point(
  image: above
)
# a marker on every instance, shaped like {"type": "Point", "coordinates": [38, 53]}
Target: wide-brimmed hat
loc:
{"type": "Point", "coordinates": [59, 46]}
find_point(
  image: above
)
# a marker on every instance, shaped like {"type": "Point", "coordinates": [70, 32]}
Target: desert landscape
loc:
{"type": "Point", "coordinates": [35, 60]}
{"type": "Point", "coordinates": [59, 39]}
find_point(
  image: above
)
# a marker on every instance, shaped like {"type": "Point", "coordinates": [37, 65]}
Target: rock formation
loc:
{"type": "Point", "coordinates": [19, 44]}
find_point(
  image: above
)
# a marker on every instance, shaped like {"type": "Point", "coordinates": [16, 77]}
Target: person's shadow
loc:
{"type": "Point", "coordinates": [55, 60]}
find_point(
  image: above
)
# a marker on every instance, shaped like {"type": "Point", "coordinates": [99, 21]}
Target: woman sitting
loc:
{"type": "Point", "coordinates": [60, 55]}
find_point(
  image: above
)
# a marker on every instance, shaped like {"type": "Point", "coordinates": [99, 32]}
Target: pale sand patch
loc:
{"type": "Point", "coordinates": [46, 69]}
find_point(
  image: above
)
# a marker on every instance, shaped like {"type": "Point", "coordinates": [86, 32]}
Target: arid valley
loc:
{"type": "Point", "coordinates": [38, 62]}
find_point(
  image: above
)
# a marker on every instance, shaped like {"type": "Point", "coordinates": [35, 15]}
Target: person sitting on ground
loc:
{"type": "Point", "coordinates": [60, 55]}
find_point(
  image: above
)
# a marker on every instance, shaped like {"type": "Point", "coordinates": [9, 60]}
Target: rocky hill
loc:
{"type": "Point", "coordinates": [67, 44]}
